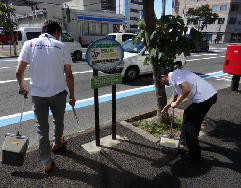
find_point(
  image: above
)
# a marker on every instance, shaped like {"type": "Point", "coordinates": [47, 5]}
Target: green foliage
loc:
{"type": "Point", "coordinates": [158, 129]}
{"type": "Point", "coordinates": [204, 13]}
{"type": "Point", "coordinates": [5, 20]}
{"type": "Point", "coordinates": [171, 41]}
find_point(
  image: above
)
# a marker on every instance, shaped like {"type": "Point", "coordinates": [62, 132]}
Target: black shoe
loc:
{"type": "Point", "coordinates": [186, 157]}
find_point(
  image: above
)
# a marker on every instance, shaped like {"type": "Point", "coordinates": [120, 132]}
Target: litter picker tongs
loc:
{"type": "Point", "coordinates": [170, 136]}
{"type": "Point", "coordinates": [25, 97]}
{"type": "Point", "coordinates": [75, 114]}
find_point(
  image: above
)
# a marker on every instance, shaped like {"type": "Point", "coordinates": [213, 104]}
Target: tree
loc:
{"type": "Point", "coordinates": [203, 16]}
{"type": "Point", "coordinates": [164, 39]}
{"type": "Point", "coordinates": [6, 21]}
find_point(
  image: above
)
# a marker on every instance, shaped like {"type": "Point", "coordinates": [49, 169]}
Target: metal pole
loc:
{"type": "Point", "coordinates": [235, 82]}
{"type": "Point", "coordinates": [113, 109]}
{"type": "Point", "coordinates": [97, 122]}
{"type": "Point", "coordinates": [172, 122]}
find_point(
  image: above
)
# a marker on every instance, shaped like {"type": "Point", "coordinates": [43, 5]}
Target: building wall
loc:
{"type": "Point", "coordinates": [70, 18]}
{"type": "Point", "coordinates": [127, 8]}
{"type": "Point", "coordinates": [225, 31]}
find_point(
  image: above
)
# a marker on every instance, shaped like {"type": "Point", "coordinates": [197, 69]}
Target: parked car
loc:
{"type": "Point", "coordinates": [27, 33]}
{"type": "Point", "coordinates": [204, 44]}
{"type": "Point", "coordinates": [5, 36]}
{"type": "Point", "coordinates": [132, 65]}
{"type": "Point", "coordinates": [120, 37]}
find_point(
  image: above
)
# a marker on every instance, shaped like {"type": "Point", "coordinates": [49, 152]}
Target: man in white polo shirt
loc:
{"type": "Point", "coordinates": [49, 59]}
{"type": "Point", "coordinates": [203, 95]}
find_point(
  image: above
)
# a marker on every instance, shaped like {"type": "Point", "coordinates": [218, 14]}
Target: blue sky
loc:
{"type": "Point", "coordinates": [158, 7]}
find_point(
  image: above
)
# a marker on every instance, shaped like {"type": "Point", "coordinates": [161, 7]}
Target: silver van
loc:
{"type": "Point", "coordinates": [28, 33]}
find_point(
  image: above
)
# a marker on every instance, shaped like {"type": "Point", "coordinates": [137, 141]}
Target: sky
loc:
{"type": "Point", "coordinates": [158, 7]}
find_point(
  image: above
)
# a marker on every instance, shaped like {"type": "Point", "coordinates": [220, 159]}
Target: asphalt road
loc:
{"type": "Point", "coordinates": [132, 98]}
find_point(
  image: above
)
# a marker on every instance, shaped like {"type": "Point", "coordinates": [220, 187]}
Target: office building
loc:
{"type": "Point", "coordinates": [228, 26]}
{"type": "Point", "coordinates": [130, 9]}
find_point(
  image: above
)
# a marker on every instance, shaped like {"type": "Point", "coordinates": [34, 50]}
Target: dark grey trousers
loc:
{"type": "Point", "coordinates": [41, 106]}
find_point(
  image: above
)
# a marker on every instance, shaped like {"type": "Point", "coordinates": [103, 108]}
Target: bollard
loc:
{"type": "Point", "coordinates": [235, 83]}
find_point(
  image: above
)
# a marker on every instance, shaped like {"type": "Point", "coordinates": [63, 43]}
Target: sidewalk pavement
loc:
{"type": "Point", "coordinates": [136, 161]}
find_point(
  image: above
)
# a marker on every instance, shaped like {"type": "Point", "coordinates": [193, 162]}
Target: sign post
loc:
{"type": "Point", "coordinates": [113, 109]}
{"type": "Point", "coordinates": [104, 55]}
{"type": "Point", "coordinates": [97, 119]}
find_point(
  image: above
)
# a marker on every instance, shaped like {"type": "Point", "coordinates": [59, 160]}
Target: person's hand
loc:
{"type": "Point", "coordinates": [163, 112]}
{"type": "Point", "coordinates": [23, 91]}
{"type": "Point", "coordinates": [72, 102]}
{"type": "Point", "coordinates": [174, 104]}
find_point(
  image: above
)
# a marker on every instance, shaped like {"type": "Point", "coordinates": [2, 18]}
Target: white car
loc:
{"type": "Point", "coordinates": [120, 37]}
{"type": "Point", "coordinates": [134, 55]}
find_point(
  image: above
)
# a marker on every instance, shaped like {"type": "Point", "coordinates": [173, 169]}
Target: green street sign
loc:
{"type": "Point", "coordinates": [107, 80]}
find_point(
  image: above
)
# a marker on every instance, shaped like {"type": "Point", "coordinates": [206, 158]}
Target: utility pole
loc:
{"type": "Point", "coordinates": [185, 20]}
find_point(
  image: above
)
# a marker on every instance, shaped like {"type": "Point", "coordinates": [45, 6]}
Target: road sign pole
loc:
{"type": "Point", "coordinates": [104, 55]}
{"type": "Point", "coordinates": [113, 109]}
{"type": "Point", "coordinates": [97, 122]}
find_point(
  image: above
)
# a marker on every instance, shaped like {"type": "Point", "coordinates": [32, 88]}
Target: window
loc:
{"type": "Point", "coordinates": [65, 37]}
{"type": "Point", "coordinates": [221, 20]}
{"type": "Point", "coordinates": [197, 8]}
{"type": "Point", "coordinates": [215, 8]}
{"type": "Point", "coordinates": [232, 21]}
{"type": "Point", "coordinates": [191, 9]}
{"type": "Point", "coordinates": [199, 0]}
{"type": "Point", "coordinates": [5, 33]}
{"type": "Point", "coordinates": [94, 28]}
{"type": "Point", "coordinates": [135, 2]}
{"type": "Point", "coordinates": [234, 7]}
{"type": "Point", "coordinates": [134, 10]}
{"type": "Point", "coordinates": [209, 36]}
{"type": "Point", "coordinates": [223, 8]}
{"type": "Point", "coordinates": [126, 37]}
{"type": "Point", "coordinates": [192, 1]}
{"type": "Point", "coordinates": [19, 36]}
{"type": "Point", "coordinates": [134, 26]}
{"type": "Point", "coordinates": [31, 35]}
{"type": "Point", "coordinates": [104, 28]}
{"type": "Point", "coordinates": [239, 21]}
{"type": "Point", "coordinates": [85, 26]}
{"type": "Point", "coordinates": [189, 22]}
{"type": "Point", "coordinates": [133, 18]}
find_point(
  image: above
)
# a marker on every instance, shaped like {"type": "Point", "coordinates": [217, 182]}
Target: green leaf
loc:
{"type": "Point", "coordinates": [156, 34]}
{"type": "Point", "coordinates": [153, 53]}
{"type": "Point", "coordinates": [140, 23]}
{"type": "Point", "coordinates": [137, 38]}
{"type": "Point", "coordinates": [146, 60]}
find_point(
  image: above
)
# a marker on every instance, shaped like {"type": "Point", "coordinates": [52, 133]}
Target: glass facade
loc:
{"type": "Point", "coordinates": [94, 28]}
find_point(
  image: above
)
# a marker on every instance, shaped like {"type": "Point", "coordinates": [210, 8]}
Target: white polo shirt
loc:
{"type": "Point", "coordinates": [46, 57]}
{"type": "Point", "coordinates": [200, 89]}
